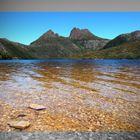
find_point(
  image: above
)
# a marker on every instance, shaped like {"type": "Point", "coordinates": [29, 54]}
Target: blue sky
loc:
{"type": "Point", "coordinates": [25, 27]}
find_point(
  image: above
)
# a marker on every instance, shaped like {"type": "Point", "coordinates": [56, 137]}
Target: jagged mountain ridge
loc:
{"type": "Point", "coordinates": [81, 43]}
{"type": "Point", "coordinates": [51, 44]}
{"type": "Point", "coordinates": [82, 34]}
{"type": "Point", "coordinates": [45, 37]}
{"type": "Point", "coordinates": [124, 46]}
{"type": "Point", "coordinates": [86, 39]}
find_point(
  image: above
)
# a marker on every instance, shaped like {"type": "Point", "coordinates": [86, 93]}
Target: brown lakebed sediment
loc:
{"type": "Point", "coordinates": [86, 120]}
{"type": "Point", "coordinates": [76, 96]}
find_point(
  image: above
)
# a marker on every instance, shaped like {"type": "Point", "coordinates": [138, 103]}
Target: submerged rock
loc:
{"type": "Point", "coordinates": [21, 115]}
{"type": "Point", "coordinates": [19, 124]}
{"type": "Point", "coordinates": [37, 107]}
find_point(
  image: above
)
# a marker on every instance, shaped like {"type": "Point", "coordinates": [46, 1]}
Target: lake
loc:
{"type": "Point", "coordinates": [102, 95]}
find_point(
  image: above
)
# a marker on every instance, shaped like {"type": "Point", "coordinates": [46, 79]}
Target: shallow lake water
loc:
{"type": "Point", "coordinates": [84, 90]}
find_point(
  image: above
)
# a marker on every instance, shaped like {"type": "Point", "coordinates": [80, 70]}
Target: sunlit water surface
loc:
{"type": "Point", "coordinates": [64, 86]}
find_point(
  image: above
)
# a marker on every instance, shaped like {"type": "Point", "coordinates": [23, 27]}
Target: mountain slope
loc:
{"type": "Point", "coordinates": [82, 34]}
{"type": "Point", "coordinates": [10, 50]}
{"type": "Point", "coordinates": [123, 38]}
{"type": "Point", "coordinates": [87, 40]}
{"type": "Point", "coordinates": [51, 45]}
{"type": "Point", "coordinates": [80, 44]}
{"type": "Point", "coordinates": [129, 50]}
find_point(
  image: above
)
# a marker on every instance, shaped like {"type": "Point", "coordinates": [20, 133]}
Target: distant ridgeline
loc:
{"type": "Point", "coordinates": [81, 43]}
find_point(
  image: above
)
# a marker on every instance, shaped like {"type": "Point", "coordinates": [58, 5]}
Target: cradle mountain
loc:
{"type": "Point", "coordinates": [81, 43]}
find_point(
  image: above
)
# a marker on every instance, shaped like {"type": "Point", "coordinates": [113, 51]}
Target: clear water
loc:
{"type": "Point", "coordinates": [66, 85]}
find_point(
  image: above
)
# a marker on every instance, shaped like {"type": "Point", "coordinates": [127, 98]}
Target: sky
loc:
{"type": "Point", "coordinates": [25, 27]}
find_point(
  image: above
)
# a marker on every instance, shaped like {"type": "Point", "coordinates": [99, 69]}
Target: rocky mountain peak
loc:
{"type": "Point", "coordinates": [79, 34]}
{"type": "Point", "coordinates": [50, 34]}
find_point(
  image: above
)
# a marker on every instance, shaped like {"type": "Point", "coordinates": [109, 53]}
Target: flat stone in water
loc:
{"type": "Point", "coordinates": [19, 124]}
{"type": "Point", "coordinates": [21, 115]}
{"type": "Point", "coordinates": [37, 107]}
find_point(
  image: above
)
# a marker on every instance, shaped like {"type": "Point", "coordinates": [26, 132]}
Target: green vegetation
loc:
{"type": "Point", "coordinates": [5, 55]}
{"type": "Point", "coordinates": [54, 48]}
{"type": "Point", "coordinates": [125, 51]}
{"type": "Point", "coordinates": [14, 50]}
{"type": "Point", "coordinates": [51, 45]}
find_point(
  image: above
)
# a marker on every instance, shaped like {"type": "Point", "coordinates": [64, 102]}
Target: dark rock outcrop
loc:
{"type": "Point", "coordinates": [86, 39]}
{"type": "Point", "coordinates": [82, 34]}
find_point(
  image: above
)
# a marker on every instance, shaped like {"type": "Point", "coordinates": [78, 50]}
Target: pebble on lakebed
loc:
{"type": "Point", "coordinates": [19, 124]}
{"type": "Point", "coordinates": [37, 107]}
